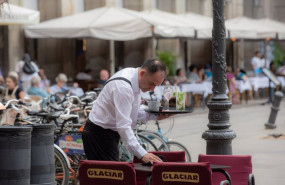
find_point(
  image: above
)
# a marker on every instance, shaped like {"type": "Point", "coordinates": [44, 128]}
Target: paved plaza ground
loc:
{"type": "Point", "coordinates": [247, 120]}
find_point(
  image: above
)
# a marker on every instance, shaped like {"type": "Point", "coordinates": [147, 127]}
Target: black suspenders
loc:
{"type": "Point", "coordinates": [119, 78]}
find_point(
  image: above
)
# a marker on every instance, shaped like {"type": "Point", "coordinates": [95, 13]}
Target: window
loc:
{"type": "Point", "coordinates": [167, 5]}
{"type": "Point", "coordinates": [133, 4]}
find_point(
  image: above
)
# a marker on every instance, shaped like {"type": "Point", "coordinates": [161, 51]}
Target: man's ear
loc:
{"type": "Point", "coordinates": [142, 72]}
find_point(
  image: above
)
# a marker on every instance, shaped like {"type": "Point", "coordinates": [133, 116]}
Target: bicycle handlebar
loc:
{"type": "Point", "coordinates": [20, 102]}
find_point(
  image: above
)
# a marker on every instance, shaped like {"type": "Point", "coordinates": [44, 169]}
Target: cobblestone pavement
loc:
{"type": "Point", "coordinates": [247, 120]}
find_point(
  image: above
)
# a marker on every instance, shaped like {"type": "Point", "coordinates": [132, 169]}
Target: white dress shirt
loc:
{"type": "Point", "coordinates": [257, 63]}
{"type": "Point", "coordinates": [118, 108]}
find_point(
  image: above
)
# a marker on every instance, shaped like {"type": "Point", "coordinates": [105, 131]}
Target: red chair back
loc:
{"type": "Point", "coordinates": [181, 174]}
{"type": "Point", "coordinates": [178, 156]}
{"type": "Point", "coordinates": [241, 167]}
{"type": "Point", "coordinates": [106, 172]}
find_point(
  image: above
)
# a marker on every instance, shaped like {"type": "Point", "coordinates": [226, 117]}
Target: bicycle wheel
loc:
{"type": "Point", "coordinates": [175, 146]}
{"type": "Point", "coordinates": [74, 160]}
{"type": "Point", "coordinates": [156, 139]}
{"type": "Point", "coordinates": [61, 168]}
{"type": "Point", "coordinates": [124, 154]}
{"type": "Point", "coordinates": [146, 143]}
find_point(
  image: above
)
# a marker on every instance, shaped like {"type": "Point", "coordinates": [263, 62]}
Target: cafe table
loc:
{"type": "Point", "coordinates": [214, 168]}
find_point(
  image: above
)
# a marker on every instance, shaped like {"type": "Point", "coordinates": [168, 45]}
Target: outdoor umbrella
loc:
{"type": "Point", "coordinates": [248, 28]}
{"type": "Point", "coordinates": [202, 24]}
{"type": "Point", "coordinates": [278, 27]}
{"type": "Point", "coordinates": [108, 23]}
{"type": "Point", "coordinates": [168, 25]}
{"type": "Point", "coordinates": [11, 14]}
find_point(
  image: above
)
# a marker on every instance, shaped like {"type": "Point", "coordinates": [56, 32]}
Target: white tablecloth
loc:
{"type": "Point", "coordinates": [204, 88]}
{"type": "Point", "coordinates": [259, 82]}
{"type": "Point", "coordinates": [243, 85]}
{"type": "Point", "coordinates": [263, 82]}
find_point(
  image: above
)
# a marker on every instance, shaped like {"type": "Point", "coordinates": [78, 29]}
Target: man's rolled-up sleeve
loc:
{"type": "Point", "coordinates": [123, 99]}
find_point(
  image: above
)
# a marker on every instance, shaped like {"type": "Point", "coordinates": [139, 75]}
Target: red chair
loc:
{"type": "Point", "coordinates": [168, 156]}
{"type": "Point", "coordinates": [182, 174]}
{"type": "Point", "coordinates": [240, 171]}
{"type": "Point", "coordinates": [106, 173]}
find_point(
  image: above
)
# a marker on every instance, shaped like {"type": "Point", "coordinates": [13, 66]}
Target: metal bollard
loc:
{"type": "Point", "coordinates": [15, 155]}
{"type": "Point", "coordinates": [274, 110]}
{"type": "Point", "coordinates": [42, 155]}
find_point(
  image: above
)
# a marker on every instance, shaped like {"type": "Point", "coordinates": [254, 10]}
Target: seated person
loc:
{"type": "Point", "coordinates": [104, 76]}
{"type": "Point", "coordinates": [60, 85]}
{"type": "Point", "coordinates": [232, 85]}
{"type": "Point", "coordinates": [45, 83]}
{"type": "Point", "coordinates": [193, 75]}
{"type": "Point", "coordinates": [76, 90]}
{"type": "Point", "coordinates": [35, 88]}
{"type": "Point", "coordinates": [201, 74]}
{"type": "Point", "coordinates": [180, 77]}
{"type": "Point", "coordinates": [240, 74]}
{"type": "Point", "coordinates": [168, 80]}
{"type": "Point", "coordinates": [13, 91]}
{"type": "Point", "coordinates": [272, 68]}
{"type": "Point", "coordinates": [86, 75]}
{"type": "Point", "coordinates": [208, 72]}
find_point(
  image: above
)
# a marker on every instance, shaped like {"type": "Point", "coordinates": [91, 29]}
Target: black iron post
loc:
{"type": "Point", "coordinates": [274, 110]}
{"type": "Point", "coordinates": [219, 137]}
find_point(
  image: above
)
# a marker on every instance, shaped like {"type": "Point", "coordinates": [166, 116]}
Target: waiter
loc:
{"type": "Point", "coordinates": [116, 111]}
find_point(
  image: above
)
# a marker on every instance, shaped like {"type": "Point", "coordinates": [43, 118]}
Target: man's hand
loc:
{"type": "Point", "coordinates": [164, 116]}
{"type": "Point", "coordinates": [2, 107]}
{"type": "Point", "coordinates": [150, 157]}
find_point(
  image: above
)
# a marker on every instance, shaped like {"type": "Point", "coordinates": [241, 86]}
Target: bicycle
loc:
{"type": "Point", "coordinates": [171, 145]}
{"type": "Point", "coordinates": [60, 157]}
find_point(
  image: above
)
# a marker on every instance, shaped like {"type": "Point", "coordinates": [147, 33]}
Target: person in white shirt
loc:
{"type": "Point", "coordinates": [86, 75]}
{"type": "Point", "coordinates": [265, 62]}
{"type": "Point", "coordinates": [24, 77]}
{"type": "Point", "coordinates": [257, 63]}
{"type": "Point", "coordinates": [116, 111]}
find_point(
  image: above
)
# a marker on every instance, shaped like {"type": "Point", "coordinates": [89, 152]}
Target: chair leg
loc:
{"type": "Point", "coordinates": [251, 180]}
{"type": "Point", "coordinates": [196, 100]}
{"type": "Point", "coordinates": [243, 95]}
{"type": "Point", "coordinates": [237, 96]}
{"type": "Point", "coordinates": [230, 97]}
{"type": "Point", "coordinates": [250, 95]}
{"type": "Point", "coordinates": [225, 182]}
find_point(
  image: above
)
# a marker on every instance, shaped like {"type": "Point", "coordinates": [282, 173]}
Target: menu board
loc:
{"type": "Point", "coordinates": [271, 76]}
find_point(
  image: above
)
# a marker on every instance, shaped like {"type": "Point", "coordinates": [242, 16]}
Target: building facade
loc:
{"type": "Point", "coordinates": [74, 55]}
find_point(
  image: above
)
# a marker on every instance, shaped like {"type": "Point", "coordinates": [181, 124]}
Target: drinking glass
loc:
{"type": "Point", "coordinates": [168, 93]}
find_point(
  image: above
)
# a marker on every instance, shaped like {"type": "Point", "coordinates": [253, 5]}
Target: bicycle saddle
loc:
{"type": "Point", "coordinates": [68, 117]}
{"type": "Point", "coordinates": [37, 113]}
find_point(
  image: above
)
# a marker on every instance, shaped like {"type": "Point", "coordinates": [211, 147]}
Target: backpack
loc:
{"type": "Point", "coordinates": [28, 68]}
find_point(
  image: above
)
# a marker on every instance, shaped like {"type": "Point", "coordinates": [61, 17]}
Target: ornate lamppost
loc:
{"type": "Point", "coordinates": [219, 137]}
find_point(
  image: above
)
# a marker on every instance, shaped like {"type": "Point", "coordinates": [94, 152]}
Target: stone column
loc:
{"type": "Point", "coordinates": [219, 136]}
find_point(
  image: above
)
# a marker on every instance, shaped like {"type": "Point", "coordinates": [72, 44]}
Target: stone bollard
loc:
{"type": "Point", "coordinates": [274, 110]}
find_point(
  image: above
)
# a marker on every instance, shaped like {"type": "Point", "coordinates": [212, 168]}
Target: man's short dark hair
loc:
{"type": "Point", "coordinates": [153, 65]}
{"type": "Point", "coordinates": [256, 52]}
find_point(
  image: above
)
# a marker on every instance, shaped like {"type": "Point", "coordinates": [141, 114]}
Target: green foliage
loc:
{"type": "Point", "coordinates": [279, 55]}
{"type": "Point", "coordinates": [168, 59]}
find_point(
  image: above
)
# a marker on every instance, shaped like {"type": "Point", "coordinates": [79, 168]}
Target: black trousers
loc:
{"type": "Point", "coordinates": [99, 143]}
